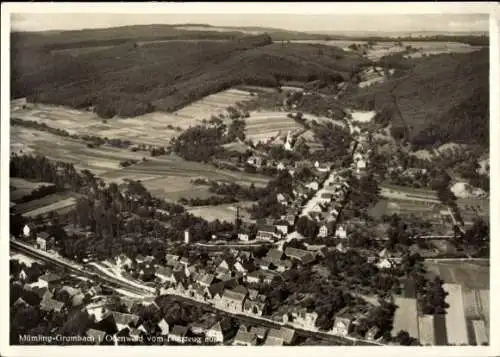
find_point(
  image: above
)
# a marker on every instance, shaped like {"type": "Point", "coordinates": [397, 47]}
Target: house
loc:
{"type": "Point", "coordinates": [51, 305]}
{"type": "Point", "coordinates": [44, 241]}
{"type": "Point", "coordinates": [140, 259]}
{"type": "Point", "coordinates": [281, 166]}
{"type": "Point", "coordinates": [281, 199]}
{"type": "Point", "coordinates": [268, 276]}
{"type": "Point", "coordinates": [283, 265]}
{"type": "Point", "coordinates": [123, 321]}
{"type": "Point", "coordinates": [256, 306]}
{"type": "Point", "coordinates": [373, 333]}
{"type": "Point", "coordinates": [282, 227]}
{"type": "Point", "coordinates": [279, 337]}
{"type": "Point", "coordinates": [323, 231]}
{"type": "Point", "coordinates": [147, 272]}
{"type": "Point", "coordinates": [343, 323]}
{"type": "Point", "coordinates": [300, 317]}
{"type": "Point", "coordinates": [243, 236]}
{"type": "Point", "coordinates": [178, 334]}
{"type": "Point", "coordinates": [205, 280]}
{"type": "Point", "coordinates": [255, 161]}
{"type": "Point", "coordinates": [171, 259]}
{"type": "Point", "coordinates": [97, 312]}
{"type": "Point", "coordinates": [123, 261]}
{"type": "Point", "coordinates": [244, 338]}
{"type": "Point", "coordinates": [165, 274]}
{"type": "Point", "coordinates": [221, 331]}
{"type": "Point", "coordinates": [260, 332]}
{"type": "Point", "coordinates": [232, 299]}
{"type": "Point", "coordinates": [273, 255]}
{"type": "Point", "coordinates": [266, 232]}
{"type": "Point", "coordinates": [97, 336]}
{"type": "Point", "coordinates": [313, 186]}
{"type": "Point", "coordinates": [22, 275]}
{"type": "Point", "coordinates": [27, 231]}
{"type": "Point", "coordinates": [49, 280]}
{"type": "Point", "coordinates": [254, 277]}
{"type": "Point", "coordinates": [341, 233]}
{"type": "Point", "coordinates": [215, 290]}
{"type": "Point", "coordinates": [360, 166]}
{"type": "Point", "coordinates": [290, 219]}
{"type": "Point", "coordinates": [326, 197]}
{"type": "Point", "coordinates": [322, 167]}
{"type": "Point", "coordinates": [223, 267]}
{"type": "Point", "coordinates": [302, 256]}
{"type": "Point", "coordinates": [384, 264]}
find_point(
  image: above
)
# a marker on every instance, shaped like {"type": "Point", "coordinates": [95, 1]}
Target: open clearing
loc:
{"type": "Point", "coordinates": [384, 48]}
{"type": "Point", "coordinates": [57, 202]}
{"type": "Point", "coordinates": [155, 128]}
{"type": "Point", "coordinates": [263, 125]}
{"type": "Point", "coordinates": [20, 188]}
{"type": "Point", "coordinates": [170, 177]}
{"type": "Point", "coordinates": [408, 193]}
{"type": "Point", "coordinates": [55, 147]}
{"type": "Point", "coordinates": [225, 212]}
{"type": "Point", "coordinates": [213, 104]}
{"type": "Point", "coordinates": [473, 275]}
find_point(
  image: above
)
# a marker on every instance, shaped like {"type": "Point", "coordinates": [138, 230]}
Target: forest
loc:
{"type": "Point", "coordinates": [129, 80]}
{"type": "Point", "coordinates": [434, 100]}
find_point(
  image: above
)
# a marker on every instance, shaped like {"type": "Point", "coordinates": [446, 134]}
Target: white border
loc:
{"type": "Point", "coordinates": [251, 8]}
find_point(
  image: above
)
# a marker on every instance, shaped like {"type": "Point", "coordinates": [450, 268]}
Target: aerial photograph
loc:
{"type": "Point", "coordinates": [251, 180]}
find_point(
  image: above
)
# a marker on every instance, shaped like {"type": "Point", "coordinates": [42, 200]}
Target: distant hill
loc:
{"type": "Point", "coordinates": [128, 80]}
{"type": "Point", "coordinates": [435, 99]}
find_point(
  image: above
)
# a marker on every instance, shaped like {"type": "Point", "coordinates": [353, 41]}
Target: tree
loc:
{"type": "Point", "coordinates": [433, 300]}
{"type": "Point", "coordinates": [403, 337]}
{"type": "Point", "coordinates": [236, 130]}
{"type": "Point", "coordinates": [307, 227]}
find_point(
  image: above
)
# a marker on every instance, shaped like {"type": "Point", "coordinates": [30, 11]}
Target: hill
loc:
{"type": "Point", "coordinates": [57, 40]}
{"type": "Point", "coordinates": [433, 99]}
{"type": "Point", "coordinates": [128, 80]}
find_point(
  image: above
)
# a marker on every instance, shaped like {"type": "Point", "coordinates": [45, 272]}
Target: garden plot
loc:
{"type": "Point", "coordinates": [225, 212]}
{"type": "Point", "coordinates": [213, 104]}
{"type": "Point", "coordinates": [264, 125]}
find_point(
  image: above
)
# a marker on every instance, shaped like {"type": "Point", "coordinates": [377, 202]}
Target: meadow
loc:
{"type": "Point", "coordinates": [470, 274]}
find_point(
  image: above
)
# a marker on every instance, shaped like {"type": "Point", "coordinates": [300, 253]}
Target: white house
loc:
{"type": "Point", "coordinates": [23, 275]}
{"type": "Point", "coordinates": [313, 186]}
{"type": "Point", "coordinates": [341, 233]}
{"type": "Point", "coordinates": [26, 231]}
{"type": "Point", "coordinates": [244, 237]}
{"type": "Point", "coordinates": [384, 264]}
{"type": "Point", "coordinates": [281, 166]}
{"type": "Point", "coordinates": [323, 231]}
{"type": "Point", "coordinates": [288, 143]}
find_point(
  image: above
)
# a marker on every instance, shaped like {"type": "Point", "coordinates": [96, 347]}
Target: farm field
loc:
{"type": "Point", "coordinates": [263, 125]}
{"type": "Point", "coordinates": [226, 212]}
{"type": "Point", "coordinates": [403, 206]}
{"type": "Point", "coordinates": [472, 275]}
{"type": "Point", "coordinates": [49, 203]}
{"type": "Point", "coordinates": [408, 193]}
{"type": "Point", "coordinates": [471, 208]}
{"type": "Point", "coordinates": [170, 177]}
{"type": "Point", "coordinates": [381, 49]}
{"type": "Point", "coordinates": [156, 128]}
{"type": "Point", "coordinates": [213, 104]}
{"type": "Point", "coordinates": [20, 188]}
{"type": "Point", "coordinates": [97, 160]}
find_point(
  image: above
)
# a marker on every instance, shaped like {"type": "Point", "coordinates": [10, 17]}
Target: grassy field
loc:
{"type": "Point", "coordinates": [165, 176]}
{"type": "Point", "coordinates": [97, 160]}
{"type": "Point", "coordinates": [53, 202]}
{"type": "Point", "coordinates": [225, 212]}
{"type": "Point", "coordinates": [472, 275]}
{"type": "Point", "coordinates": [170, 177]}
{"type": "Point", "coordinates": [263, 125]}
{"type": "Point", "coordinates": [20, 188]}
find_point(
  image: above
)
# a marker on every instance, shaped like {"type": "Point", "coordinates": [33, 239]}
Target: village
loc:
{"type": "Point", "coordinates": [235, 281]}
